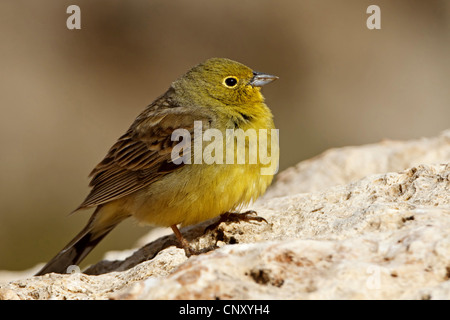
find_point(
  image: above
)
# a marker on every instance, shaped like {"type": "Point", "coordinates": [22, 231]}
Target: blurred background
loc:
{"type": "Point", "coordinates": [67, 95]}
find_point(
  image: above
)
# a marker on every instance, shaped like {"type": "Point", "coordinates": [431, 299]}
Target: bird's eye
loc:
{"type": "Point", "coordinates": [230, 81]}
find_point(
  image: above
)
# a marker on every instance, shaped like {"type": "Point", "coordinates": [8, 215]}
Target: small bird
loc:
{"type": "Point", "coordinates": [140, 176]}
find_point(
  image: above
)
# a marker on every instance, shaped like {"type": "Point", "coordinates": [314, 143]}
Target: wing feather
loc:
{"type": "Point", "coordinates": [143, 154]}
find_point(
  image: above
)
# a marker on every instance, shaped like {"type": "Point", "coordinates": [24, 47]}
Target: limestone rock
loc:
{"type": "Point", "coordinates": [384, 236]}
{"type": "Point", "coordinates": [348, 164]}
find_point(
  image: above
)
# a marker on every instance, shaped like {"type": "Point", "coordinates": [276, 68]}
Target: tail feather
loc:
{"type": "Point", "coordinates": [83, 243]}
{"type": "Point", "coordinates": [73, 253]}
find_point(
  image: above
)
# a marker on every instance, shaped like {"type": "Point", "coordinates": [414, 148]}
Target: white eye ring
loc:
{"type": "Point", "coordinates": [230, 81]}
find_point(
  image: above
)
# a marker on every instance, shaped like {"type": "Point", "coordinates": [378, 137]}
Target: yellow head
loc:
{"type": "Point", "coordinates": [220, 82]}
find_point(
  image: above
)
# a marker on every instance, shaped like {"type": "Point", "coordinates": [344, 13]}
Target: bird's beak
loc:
{"type": "Point", "coordinates": [260, 79]}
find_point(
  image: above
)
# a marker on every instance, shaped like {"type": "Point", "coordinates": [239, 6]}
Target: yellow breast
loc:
{"type": "Point", "coordinates": [200, 191]}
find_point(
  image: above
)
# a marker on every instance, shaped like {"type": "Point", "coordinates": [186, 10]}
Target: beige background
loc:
{"type": "Point", "coordinates": [65, 96]}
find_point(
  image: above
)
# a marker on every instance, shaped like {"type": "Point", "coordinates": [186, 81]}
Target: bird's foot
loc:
{"type": "Point", "coordinates": [247, 216]}
{"type": "Point", "coordinates": [188, 250]}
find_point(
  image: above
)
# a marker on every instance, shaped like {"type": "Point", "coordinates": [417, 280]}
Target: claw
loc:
{"type": "Point", "coordinates": [188, 250]}
{"type": "Point", "coordinates": [236, 217]}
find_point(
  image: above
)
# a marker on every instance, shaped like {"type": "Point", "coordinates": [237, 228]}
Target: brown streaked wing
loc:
{"type": "Point", "coordinates": [143, 154]}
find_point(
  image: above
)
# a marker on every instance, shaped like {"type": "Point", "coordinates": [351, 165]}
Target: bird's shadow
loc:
{"type": "Point", "coordinates": [150, 250]}
{"type": "Point", "coordinates": [203, 237]}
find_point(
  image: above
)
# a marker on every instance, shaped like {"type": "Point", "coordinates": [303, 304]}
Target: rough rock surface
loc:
{"type": "Point", "coordinates": [348, 164]}
{"type": "Point", "coordinates": [384, 236]}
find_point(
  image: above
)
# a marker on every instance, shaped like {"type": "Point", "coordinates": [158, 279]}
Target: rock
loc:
{"type": "Point", "coordinates": [344, 165]}
{"type": "Point", "coordinates": [368, 240]}
{"type": "Point", "coordinates": [384, 236]}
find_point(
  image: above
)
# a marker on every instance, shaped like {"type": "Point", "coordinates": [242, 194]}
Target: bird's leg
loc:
{"type": "Point", "coordinates": [236, 217]}
{"type": "Point", "coordinates": [184, 243]}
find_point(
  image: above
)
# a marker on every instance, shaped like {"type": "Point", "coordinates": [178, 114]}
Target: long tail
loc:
{"type": "Point", "coordinates": [77, 249]}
